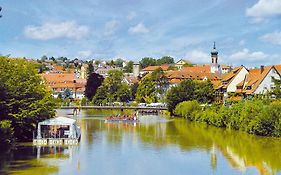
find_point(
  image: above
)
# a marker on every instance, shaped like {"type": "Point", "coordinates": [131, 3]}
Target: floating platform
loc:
{"type": "Point", "coordinates": [55, 141]}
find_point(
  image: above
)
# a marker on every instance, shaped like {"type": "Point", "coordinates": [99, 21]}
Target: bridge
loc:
{"type": "Point", "coordinates": [116, 107]}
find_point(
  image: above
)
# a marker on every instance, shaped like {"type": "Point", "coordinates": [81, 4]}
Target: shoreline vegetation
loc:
{"type": "Point", "coordinates": [24, 101]}
{"type": "Point", "coordinates": [258, 117]}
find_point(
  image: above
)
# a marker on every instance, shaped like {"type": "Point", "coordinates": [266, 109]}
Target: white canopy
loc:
{"type": "Point", "coordinates": [74, 131]}
{"type": "Point", "coordinates": [58, 121]}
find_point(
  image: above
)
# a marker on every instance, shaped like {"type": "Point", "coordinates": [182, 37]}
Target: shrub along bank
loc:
{"type": "Point", "coordinates": [257, 117]}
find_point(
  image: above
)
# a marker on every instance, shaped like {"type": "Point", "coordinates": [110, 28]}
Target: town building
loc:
{"type": "Point", "coordinates": [182, 63]}
{"type": "Point", "coordinates": [59, 83]}
{"type": "Point", "coordinates": [150, 69]}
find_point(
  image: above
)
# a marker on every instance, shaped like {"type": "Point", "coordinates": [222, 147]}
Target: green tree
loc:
{"type": "Point", "coordinates": [165, 60]}
{"type": "Point", "coordinates": [183, 92]}
{"type": "Point", "coordinates": [91, 68]}
{"type": "Point", "coordinates": [134, 88]}
{"type": "Point", "coordinates": [118, 62]}
{"type": "Point", "coordinates": [161, 82]}
{"type": "Point", "coordinates": [129, 67]}
{"type": "Point", "coordinates": [147, 61]}
{"type": "Point", "coordinates": [26, 100]}
{"type": "Point", "coordinates": [204, 92]}
{"type": "Point", "coordinates": [112, 89]}
{"type": "Point", "coordinates": [146, 91]}
{"type": "Point", "coordinates": [94, 81]}
{"type": "Point", "coordinates": [277, 89]}
{"type": "Point", "coordinates": [44, 58]}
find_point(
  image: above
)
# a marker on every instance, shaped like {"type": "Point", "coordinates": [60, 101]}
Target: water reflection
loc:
{"type": "Point", "coordinates": [156, 145]}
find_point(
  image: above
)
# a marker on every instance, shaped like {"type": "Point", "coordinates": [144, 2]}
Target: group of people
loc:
{"type": "Point", "coordinates": [123, 117]}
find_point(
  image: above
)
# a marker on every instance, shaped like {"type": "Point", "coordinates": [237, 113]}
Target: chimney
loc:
{"type": "Point", "coordinates": [262, 68]}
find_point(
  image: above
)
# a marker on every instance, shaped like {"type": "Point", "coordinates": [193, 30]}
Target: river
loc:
{"type": "Point", "coordinates": [156, 145]}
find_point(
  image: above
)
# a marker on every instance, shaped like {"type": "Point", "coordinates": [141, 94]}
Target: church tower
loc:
{"type": "Point", "coordinates": [215, 67]}
{"type": "Point", "coordinates": [214, 55]}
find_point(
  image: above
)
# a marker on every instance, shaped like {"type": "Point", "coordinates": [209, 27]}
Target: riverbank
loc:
{"type": "Point", "coordinates": [256, 117]}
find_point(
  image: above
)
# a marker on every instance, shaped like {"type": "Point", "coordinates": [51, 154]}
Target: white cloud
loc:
{"type": "Point", "coordinates": [263, 9]}
{"type": "Point", "coordinates": [85, 53]}
{"type": "Point", "coordinates": [198, 56]}
{"type": "Point", "coordinates": [111, 27]}
{"type": "Point", "coordinates": [246, 56]}
{"type": "Point", "coordinates": [131, 15]}
{"type": "Point", "coordinates": [138, 29]}
{"type": "Point", "coordinates": [274, 38]}
{"type": "Point", "coordinates": [47, 31]}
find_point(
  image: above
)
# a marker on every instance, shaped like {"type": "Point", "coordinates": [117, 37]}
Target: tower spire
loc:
{"type": "Point", "coordinates": [214, 45]}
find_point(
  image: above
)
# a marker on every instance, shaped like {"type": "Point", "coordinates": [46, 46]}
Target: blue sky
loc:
{"type": "Point", "coordinates": [247, 32]}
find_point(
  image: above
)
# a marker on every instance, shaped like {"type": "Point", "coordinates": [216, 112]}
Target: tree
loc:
{"type": "Point", "coordinates": [147, 61]}
{"type": "Point", "coordinates": [188, 90]}
{"type": "Point", "coordinates": [183, 92]}
{"type": "Point", "coordinates": [277, 90]}
{"type": "Point", "coordinates": [94, 81]}
{"type": "Point", "coordinates": [204, 92]}
{"type": "Point", "coordinates": [134, 88]}
{"type": "Point", "coordinates": [165, 60]}
{"type": "Point", "coordinates": [44, 58]}
{"type": "Point", "coordinates": [119, 62]}
{"type": "Point", "coordinates": [161, 81]}
{"type": "Point", "coordinates": [129, 67]}
{"type": "Point", "coordinates": [25, 99]}
{"type": "Point", "coordinates": [112, 89]}
{"type": "Point", "coordinates": [146, 91]}
{"type": "Point", "coordinates": [91, 68]}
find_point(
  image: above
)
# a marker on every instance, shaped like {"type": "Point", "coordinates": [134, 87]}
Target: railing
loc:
{"type": "Point", "coordinates": [115, 107]}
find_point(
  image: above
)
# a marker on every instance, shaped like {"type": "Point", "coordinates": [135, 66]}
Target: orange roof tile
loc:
{"type": "Point", "coordinates": [164, 67]}
{"type": "Point", "coordinates": [198, 69]}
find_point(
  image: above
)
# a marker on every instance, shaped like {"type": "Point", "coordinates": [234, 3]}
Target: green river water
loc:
{"type": "Point", "coordinates": [156, 145]}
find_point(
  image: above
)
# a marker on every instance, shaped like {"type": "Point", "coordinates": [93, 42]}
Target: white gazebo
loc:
{"type": "Point", "coordinates": [66, 127]}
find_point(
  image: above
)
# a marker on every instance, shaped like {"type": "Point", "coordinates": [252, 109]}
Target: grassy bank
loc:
{"type": "Point", "coordinates": [254, 116]}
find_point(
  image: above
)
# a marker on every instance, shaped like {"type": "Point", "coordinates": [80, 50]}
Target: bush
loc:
{"type": "Point", "coordinates": [6, 133]}
{"type": "Point", "coordinates": [187, 109]}
{"type": "Point", "coordinates": [254, 116]}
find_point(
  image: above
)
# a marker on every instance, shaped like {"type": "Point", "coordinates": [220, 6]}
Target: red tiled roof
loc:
{"type": "Point", "coordinates": [198, 69]}
{"type": "Point", "coordinates": [164, 67]}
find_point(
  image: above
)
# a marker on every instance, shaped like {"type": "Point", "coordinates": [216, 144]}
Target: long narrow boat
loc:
{"type": "Point", "coordinates": [57, 131]}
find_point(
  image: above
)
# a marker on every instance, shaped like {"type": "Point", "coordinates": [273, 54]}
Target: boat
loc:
{"type": "Point", "coordinates": [123, 118]}
{"type": "Point", "coordinates": [57, 131]}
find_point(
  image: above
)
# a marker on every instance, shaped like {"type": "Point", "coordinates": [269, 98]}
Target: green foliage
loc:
{"type": "Point", "coordinates": [6, 133]}
{"type": "Point", "coordinates": [84, 101]}
{"type": "Point", "coordinates": [165, 60]}
{"type": "Point", "coordinates": [147, 61]}
{"type": "Point", "coordinates": [277, 89]}
{"type": "Point", "coordinates": [134, 88]}
{"type": "Point", "coordinates": [129, 67]}
{"type": "Point", "coordinates": [118, 62]}
{"type": "Point", "coordinates": [94, 81]}
{"type": "Point", "coordinates": [161, 82]}
{"type": "Point", "coordinates": [187, 109]}
{"type": "Point", "coordinates": [25, 100]}
{"type": "Point", "coordinates": [146, 91]}
{"type": "Point", "coordinates": [112, 89]}
{"type": "Point", "coordinates": [189, 90]}
{"type": "Point", "coordinates": [90, 69]}
{"type": "Point", "coordinates": [254, 116]}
